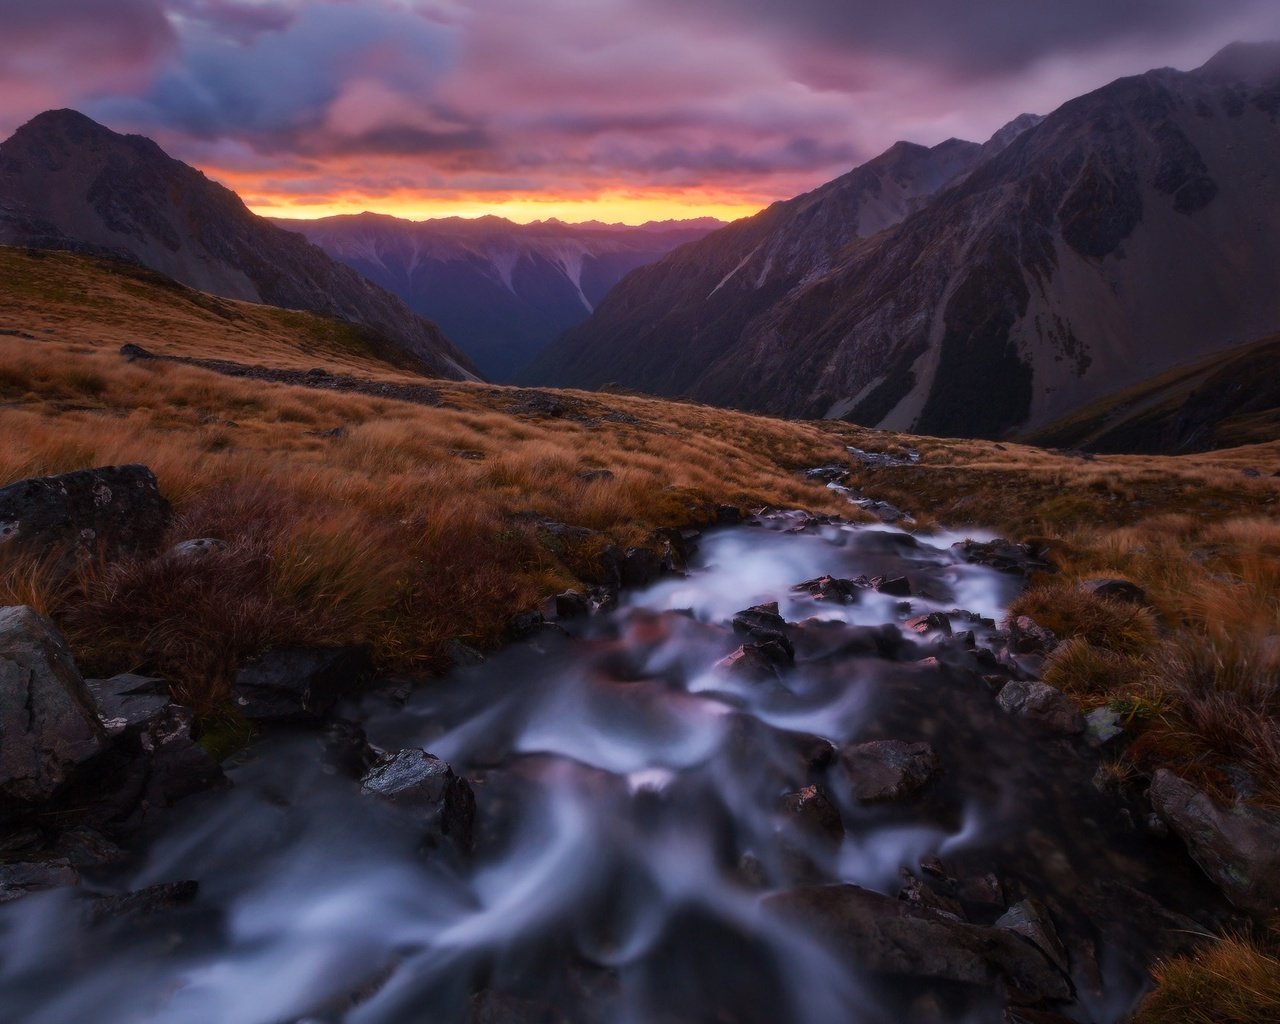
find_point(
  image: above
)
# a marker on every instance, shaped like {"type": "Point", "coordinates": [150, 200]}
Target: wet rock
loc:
{"type": "Point", "coordinates": [640, 567]}
{"type": "Point", "coordinates": [347, 749]}
{"type": "Point", "coordinates": [768, 632]}
{"type": "Point", "coordinates": [108, 511]}
{"type": "Point", "coordinates": [894, 586]}
{"type": "Point", "coordinates": [889, 769]}
{"type": "Point", "coordinates": [141, 904]}
{"type": "Point", "coordinates": [886, 936]}
{"type": "Point", "coordinates": [18, 880]}
{"type": "Point", "coordinates": [934, 622]}
{"type": "Point", "coordinates": [128, 703]}
{"type": "Point", "coordinates": [1031, 920]}
{"type": "Point", "coordinates": [426, 787]}
{"type": "Point", "coordinates": [48, 720]}
{"type": "Point", "coordinates": [728, 515]}
{"type": "Point", "coordinates": [195, 550]}
{"type": "Point", "coordinates": [825, 474]}
{"type": "Point", "coordinates": [171, 765]}
{"type": "Point", "coordinates": [525, 625]}
{"type": "Point", "coordinates": [756, 662]}
{"type": "Point", "coordinates": [1026, 636]}
{"type": "Point", "coordinates": [880, 460]}
{"type": "Point", "coordinates": [1004, 556]}
{"type": "Point", "coordinates": [299, 682]}
{"type": "Point", "coordinates": [1237, 847]}
{"type": "Point", "coordinates": [814, 815]}
{"type": "Point", "coordinates": [981, 891]}
{"type": "Point", "coordinates": [85, 848]}
{"type": "Point", "coordinates": [828, 588]}
{"type": "Point", "coordinates": [1042, 705]}
{"type": "Point", "coordinates": [918, 894]}
{"type": "Point", "coordinates": [1115, 589]}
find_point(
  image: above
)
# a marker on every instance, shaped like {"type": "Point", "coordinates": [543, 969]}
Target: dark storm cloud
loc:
{"type": "Point", "coordinates": [125, 30]}
{"type": "Point", "coordinates": [982, 37]}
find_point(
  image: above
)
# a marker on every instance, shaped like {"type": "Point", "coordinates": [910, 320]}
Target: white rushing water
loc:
{"type": "Point", "coordinates": [631, 818]}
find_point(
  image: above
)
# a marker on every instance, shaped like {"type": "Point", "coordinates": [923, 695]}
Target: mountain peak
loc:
{"type": "Point", "coordinates": [1244, 62]}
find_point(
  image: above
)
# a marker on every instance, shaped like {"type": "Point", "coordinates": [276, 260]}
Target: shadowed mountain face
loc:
{"type": "Point", "coordinates": [500, 290]}
{"type": "Point", "coordinates": [67, 182]}
{"type": "Point", "coordinates": [1134, 230]}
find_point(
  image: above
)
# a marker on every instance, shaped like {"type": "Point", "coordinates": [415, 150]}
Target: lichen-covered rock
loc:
{"type": "Point", "coordinates": [48, 722]}
{"type": "Point", "coordinates": [110, 510]}
{"type": "Point", "coordinates": [1237, 847]}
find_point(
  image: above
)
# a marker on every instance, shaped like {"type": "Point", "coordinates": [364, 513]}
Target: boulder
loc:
{"type": "Point", "coordinates": [934, 622]}
{"type": "Point", "coordinates": [1042, 705]}
{"type": "Point", "coordinates": [894, 586]}
{"type": "Point", "coordinates": [889, 769]}
{"type": "Point", "coordinates": [1237, 847]}
{"type": "Point", "coordinates": [829, 588]}
{"type": "Point", "coordinates": [112, 510]}
{"type": "Point", "coordinates": [48, 720]}
{"type": "Point", "coordinates": [299, 682]}
{"type": "Point", "coordinates": [426, 787]}
{"type": "Point", "coordinates": [1026, 636]}
{"type": "Point", "coordinates": [1004, 556]}
{"type": "Point", "coordinates": [814, 815]}
{"type": "Point", "coordinates": [195, 550]}
{"type": "Point", "coordinates": [1103, 729]}
{"type": "Point", "coordinates": [886, 936]}
{"type": "Point", "coordinates": [640, 567]}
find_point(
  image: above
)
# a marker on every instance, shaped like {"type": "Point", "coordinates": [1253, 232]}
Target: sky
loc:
{"type": "Point", "coordinates": [617, 110]}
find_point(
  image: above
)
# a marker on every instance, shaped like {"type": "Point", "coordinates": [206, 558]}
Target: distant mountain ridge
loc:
{"type": "Point", "coordinates": [67, 182]}
{"type": "Point", "coordinates": [1134, 230]}
{"type": "Point", "coordinates": [500, 290]}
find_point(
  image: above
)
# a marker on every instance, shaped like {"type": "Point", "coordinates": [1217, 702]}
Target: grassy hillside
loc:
{"type": "Point", "coordinates": [405, 525]}
{"type": "Point", "coordinates": [1229, 400]}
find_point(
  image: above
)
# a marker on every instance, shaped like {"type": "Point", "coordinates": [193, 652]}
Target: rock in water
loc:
{"type": "Point", "coordinates": [1041, 704]}
{"type": "Point", "coordinates": [426, 786]}
{"type": "Point", "coordinates": [48, 723]}
{"type": "Point", "coordinates": [299, 682]}
{"type": "Point", "coordinates": [112, 510]}
{"type": "Point", "coordinates": [889, 769]}
{"type": "Point", "coordinates": [1238, 847]}
{"type": "Point", "coordinates": [883, 935]}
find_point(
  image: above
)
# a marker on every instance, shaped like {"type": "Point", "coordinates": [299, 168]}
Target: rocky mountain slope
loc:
{"type": "Point", "coordinates": [500, 290]}
{"type": "Point", "coordinates": [67, 182]}
{"type": "Point", "coordinates": [1134, 230]}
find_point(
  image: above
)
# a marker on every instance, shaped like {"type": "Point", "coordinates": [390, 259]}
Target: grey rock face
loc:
{"type": "Point", "coordinates": [299, 682]}
{"type": "Point", "coordinates": [887, 936]}
{"type": "Point", "coordinates": [1042, 705]}
{"type": "Point", "coordinates": [48, 723]}
{"type": "Point", "coordinates": [889, 769]}
{"type": "Point", "coordinates": [128, 703]}
{"type": "Point", "coordinates": [1237, 847]}
{"type": "Point", "coordinates": [426, 787]}
{"type": "Point", "coordinates": [112, 509]}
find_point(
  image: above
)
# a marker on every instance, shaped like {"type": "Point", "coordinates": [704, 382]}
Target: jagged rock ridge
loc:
{"type": "Point", "coordinates": [1135, 229]}
{"type": "Point", "coordinates": [500, 290]}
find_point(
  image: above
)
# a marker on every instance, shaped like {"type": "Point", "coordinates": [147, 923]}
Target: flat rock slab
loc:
{"type": "Point", "coordinates": [882, 935]}
{"type": "Point", "coordinates": [48, 719]}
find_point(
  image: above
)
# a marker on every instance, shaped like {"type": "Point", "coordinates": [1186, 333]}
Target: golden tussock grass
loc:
{"type": "Point", "coordinates": [1236, 980]}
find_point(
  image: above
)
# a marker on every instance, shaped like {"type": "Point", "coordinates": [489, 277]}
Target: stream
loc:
{"type": "Point", "coordinates": [643, 808]}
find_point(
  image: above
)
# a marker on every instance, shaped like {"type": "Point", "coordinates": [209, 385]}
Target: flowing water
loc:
{"type": "Point", "coordinates": [632, 816]}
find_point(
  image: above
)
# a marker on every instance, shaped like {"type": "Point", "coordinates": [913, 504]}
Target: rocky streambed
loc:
{"type": "Point", "coordinates": [811, 780]}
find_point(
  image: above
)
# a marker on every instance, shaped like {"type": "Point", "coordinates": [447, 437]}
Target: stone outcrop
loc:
{"type": "Point", "coordinates": [48, 723]}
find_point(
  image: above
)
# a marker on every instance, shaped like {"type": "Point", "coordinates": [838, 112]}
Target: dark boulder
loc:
{"type": "Point", "coordinates": [426, 787]}
{"type": "Point", "coordinates": [894, 586]}
{"type": "Point", "coordinates": [108, 511]}
{"type": "Point", "coordinates": [128, 703]}
{"type": "Point", "coordinates": [1237, 847]}
{"type": "Point", "coordinates": [1031, 920]}
{"type": "Point", "coordinates": [640, 567]}
{"type": "Point", "coordinates": [892, 937]}
{"type": "Point", "coordinates": [300, 682]}
{"type": "Point", "coordinates": [934, 622]}
{"type": "Point", "coordinates": [831, 589]}
{"type": "Point", "coordinates": [1005, 556]}
{"type": "Point", "coordinates": [48, 721]}
{"type": "Point", "coordinates": [1026, 636]}
{"type": "Point", "coordinates": [1043, 706]}
{"type": "Point", "coordinates": [888, 769]}
{"type": "Point", "coordinates": [813, 815]}
{"type": "Point", "coordinates": [141, 904]}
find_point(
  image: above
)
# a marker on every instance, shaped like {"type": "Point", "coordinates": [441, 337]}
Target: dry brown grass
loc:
{"type": "Point", "coordinates": [1234, 981]}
